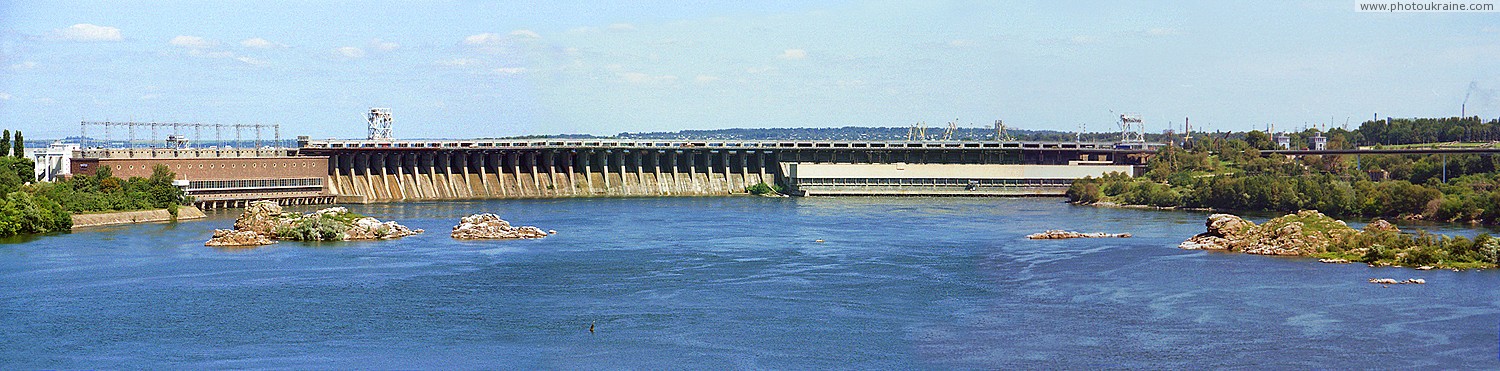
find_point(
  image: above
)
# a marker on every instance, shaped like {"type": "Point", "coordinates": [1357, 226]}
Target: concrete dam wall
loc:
{"type": "Point", "coordinates": [429, 186]}
{"type": "Point", "coordinates": [383, 176]}
{"type": "Point", "coordinates": [417, 170]}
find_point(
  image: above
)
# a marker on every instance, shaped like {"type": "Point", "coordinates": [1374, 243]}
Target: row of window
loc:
{"type": "Point", "coordinates": [931, 181]}
{"type": "Point", "coordinates": [255, 183]}
{"type": "Point", "coordinates": [253, 165]}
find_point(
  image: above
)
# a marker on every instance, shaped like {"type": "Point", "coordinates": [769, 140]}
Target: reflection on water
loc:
{"type": "Point", "coordinates": [737, 282]}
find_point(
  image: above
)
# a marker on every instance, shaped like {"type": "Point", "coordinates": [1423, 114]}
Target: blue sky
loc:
{"type": "Point", "coordinates": [483, 69]}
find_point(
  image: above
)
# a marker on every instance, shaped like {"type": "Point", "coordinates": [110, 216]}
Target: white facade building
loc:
{"type": "Point", "coordinates": [52, 162]}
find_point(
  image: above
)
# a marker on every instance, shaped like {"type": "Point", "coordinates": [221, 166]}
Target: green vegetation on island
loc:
{"type": "Point", "coordinates": [1231, 174]}
{"type": "Point", "coordinates": [318, 227]}
{"type": "Point", "coordinates": [264, 222]}
{"type": "Point", "coordinates": [1310, 233]}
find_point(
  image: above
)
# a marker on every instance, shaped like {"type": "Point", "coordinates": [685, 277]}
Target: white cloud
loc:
{"type": "Point", "coordinates": [458, 62]}
{"type": "Point", "coordinates": [510, 70]}
{"type": "Point", "coordinates": [759, 70]}
{"type": "Point", "coordinates": [4, 96]}
{"type": "Point", "coordinates": [258, 43]}
{"type": "Point", "coordinates": [526, 33]}
{"type": "Point", "coordinates": [251, 61]}
{"type": "Point", "coordinates": [1082, 39]}
{"type": "Point", "coordinates": [23, 65]}
{"type": "Point", "coordinates": [793, 54]}
{"type": "Point", "coordinates": [89, 33]}
{"type": "Point", "coordinates": [642, 78]}
{"type": "Point", "coordinates": [383, 45]}
{"type": "Point", "coordinates": [484, 39]}
{"type": "Point", "coordinates": [350, 52]}
{"type": "Point", "coordinates": [622, 27]}
{"type": "Point", "coordinates": [704, 79]}
{"type": "Point", "coordinates": [191, 42]}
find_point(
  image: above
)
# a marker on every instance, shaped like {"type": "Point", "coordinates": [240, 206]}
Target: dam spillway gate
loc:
{"type": "Point", "coordinates": [415, 170]}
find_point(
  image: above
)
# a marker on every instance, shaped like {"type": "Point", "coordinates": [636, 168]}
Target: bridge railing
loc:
{"type": "Point", "coordinates": [731, 144]}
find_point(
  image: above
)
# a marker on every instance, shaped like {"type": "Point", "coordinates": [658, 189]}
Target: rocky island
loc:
{"type": "Point", "coordinates": [1312, 234]}
{"type": "Point", "coordinates": [1058, 234]}
{"type": "Point", "coordinates": [264, 222]}
{"type": "Point", "coordinates": [491, 227]}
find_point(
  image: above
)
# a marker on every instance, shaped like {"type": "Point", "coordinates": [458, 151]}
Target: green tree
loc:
{"type": "Point", "coordinates": [5, 144]}
{"type": "Point", "coordinates": [160, 189]}
{"type": "Point", "coordinates": [20, 145]}
{"type": "Point", "coordinates": [1260, 140]}
{"type": "Point", "coordinates": [9, 182]}
{"type": "Point", "coordinates": [1084, 191]}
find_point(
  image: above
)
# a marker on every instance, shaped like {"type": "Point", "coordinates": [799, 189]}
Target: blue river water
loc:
{"type": "Point", "coordinates": [695, 283]}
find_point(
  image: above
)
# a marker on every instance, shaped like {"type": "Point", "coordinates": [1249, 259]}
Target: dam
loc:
{"type": "Point", "coordinates": [387, 170]}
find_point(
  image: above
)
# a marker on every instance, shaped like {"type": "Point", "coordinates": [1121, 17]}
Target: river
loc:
{"type": "Point", "coordinates": [731, 282]}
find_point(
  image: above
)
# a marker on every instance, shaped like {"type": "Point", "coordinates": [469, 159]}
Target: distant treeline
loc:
{"type": "Point", "coordinates": [861, 133]}
{"type": "Point", "coordinates": [1427, 130]}
{"type": "Point", "coordinates": [1375, 132]}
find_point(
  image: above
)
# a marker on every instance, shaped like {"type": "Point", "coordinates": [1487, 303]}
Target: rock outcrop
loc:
{"type": "Point", "coordinates": [1058, 234]}
{"type": "Point", "coordinates": [1380, 225]}
{"type": "Point", "coordinates": [490, 227]}
{"type": "Point", "coordinates": [1393, 281]}
{"type": "Point", "coordinates": [1304, 233]}
{"type": "Point", "coordinates": [237, 238]}
{"type": "Point", "coordinates": [259, 217]}
{"type": "Point", "coordinates": [263, 222]}
{"type": "Point", "coordinates": [368, 228]}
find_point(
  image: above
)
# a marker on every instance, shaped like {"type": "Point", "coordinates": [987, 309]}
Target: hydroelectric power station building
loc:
{"type": "Point", "coordinates": [396, 170]}
{"type": "Point", "coordinates": [382, 169]}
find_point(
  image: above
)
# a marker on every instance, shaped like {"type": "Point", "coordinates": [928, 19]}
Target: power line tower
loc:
{"type": "Point", "coordinates": [1001, 135]}
{"type": "Point", "coordinates": [1132, 128]}
{"type": "Point", "coordinates": [380, 123]}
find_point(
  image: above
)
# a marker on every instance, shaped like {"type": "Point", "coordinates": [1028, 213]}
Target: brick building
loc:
{"type": "Point", "coordinates": [217, 182]}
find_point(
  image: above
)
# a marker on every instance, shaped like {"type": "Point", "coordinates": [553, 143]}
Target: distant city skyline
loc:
{"type": "Point", "coordinates": [455, 69]}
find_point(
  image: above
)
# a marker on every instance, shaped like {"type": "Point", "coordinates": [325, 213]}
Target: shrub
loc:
{"type": "Point", "coordinates": [763, 189]}
{"type": "Point", "coordinates": [323, 227]}
{"type": "Point", "coordinates": [1084, 191]}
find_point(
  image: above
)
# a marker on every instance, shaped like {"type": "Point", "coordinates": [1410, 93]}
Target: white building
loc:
{"type": "Point", "coordinates": [1317, 142]}
{"type": "Point", "coordinates": [52, 162]}
{"type": "Point", "coordinates": [1284, 141]}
